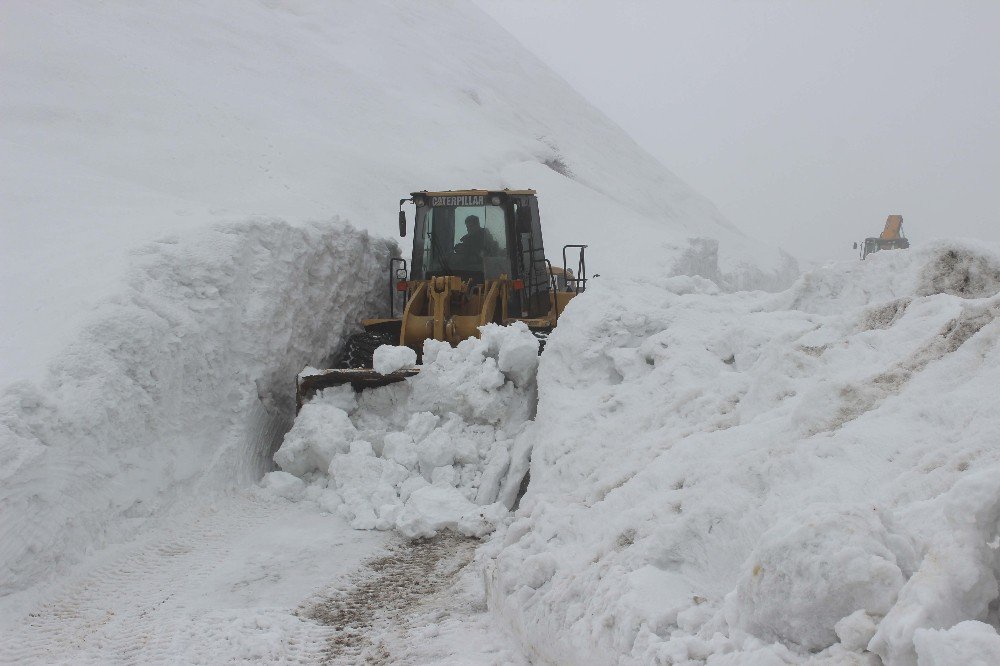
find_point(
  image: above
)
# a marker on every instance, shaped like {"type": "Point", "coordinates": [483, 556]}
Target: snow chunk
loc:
{"type": "Point", "coordinates": [342, 397]}
{"type": "Point", "coordinates": [284, 485]}
{"type": "Point", "coordinates": [813, 569]}
{"type": "Point", "coordinates": [855, 631]}
{"type": "Point", "coordinates": [433, 508]}
{"type": "Point", "coordinates": [957, 577]}
{"type": "Point", "coordinates": [366, 484]}
{"type": "Point", "coordinates": [321, 431]}
{"type": "Point", "coordinates": [517, 356]}
{"type": "Point", "coordinates": [390, 358]}
{"type": "Point", "coordinates": [969, 643]}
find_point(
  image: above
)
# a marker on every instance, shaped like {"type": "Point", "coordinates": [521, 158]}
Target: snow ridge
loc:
{"type": "Point", "coordinates": [777, 478]}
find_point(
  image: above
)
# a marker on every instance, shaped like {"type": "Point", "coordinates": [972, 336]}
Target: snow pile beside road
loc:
{"type": "Point", "coordinates": [183, 380]}
{"type": "Point", "coordinates": [810, 476]}
{"type": "Point", "coordinates": [438, 451]}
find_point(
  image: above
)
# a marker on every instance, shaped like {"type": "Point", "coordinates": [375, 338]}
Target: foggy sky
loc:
{"type": "Point", "coordinates": [805, 122]}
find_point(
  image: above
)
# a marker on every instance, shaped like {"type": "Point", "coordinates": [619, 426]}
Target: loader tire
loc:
{"type": "Point", "coordinates": [360, 348]}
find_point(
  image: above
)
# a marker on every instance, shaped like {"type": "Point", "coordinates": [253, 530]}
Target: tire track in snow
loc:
{"type": "Point", "coordinates": [382, 597]}
{"type": "Point", "coordinates": [141, 606]}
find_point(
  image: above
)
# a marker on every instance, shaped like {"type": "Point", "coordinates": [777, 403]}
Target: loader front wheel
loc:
{"type": "Point", "coordinates": [360, 348]}
{"type": "Point", "coordinates": [542, 335]}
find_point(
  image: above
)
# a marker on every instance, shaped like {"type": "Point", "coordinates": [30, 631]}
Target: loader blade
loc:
{"type": "Point", "coordinates": [359, 378]}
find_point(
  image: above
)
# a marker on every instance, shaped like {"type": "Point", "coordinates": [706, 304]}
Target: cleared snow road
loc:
{"type": "Point", "coordinates": [254, 578]}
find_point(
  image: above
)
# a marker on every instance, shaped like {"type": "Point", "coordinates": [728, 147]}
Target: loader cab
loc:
{"type": "Point", "coordinates": [477, 259]}
{"type": "Point", "coordinates": [480, 235]}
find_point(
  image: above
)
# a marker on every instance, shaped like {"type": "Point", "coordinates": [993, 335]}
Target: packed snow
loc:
{"type": "Point", "coordinates": [181, 384]}
{"type": "Point", "coordinates": [753, 478]}
{"type": "Point", "coordinates": [806, 477]}
{"type": "Point", "coordinates": [438, 451]}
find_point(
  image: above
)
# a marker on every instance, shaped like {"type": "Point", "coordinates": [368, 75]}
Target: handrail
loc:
{"type": "Point", "coordinates": [395, 275]}
{"type": "Point", "coordinates": [580, 281]}
{"type": "Point", "coordinates": [552, 284]}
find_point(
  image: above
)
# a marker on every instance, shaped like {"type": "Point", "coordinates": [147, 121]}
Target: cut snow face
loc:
{"type": "Point", "coordinates": [805, 477]}
{"type": "Point", "coordinates": [442, 450]}
{"type": "Point", "coordinates": [181, 384]}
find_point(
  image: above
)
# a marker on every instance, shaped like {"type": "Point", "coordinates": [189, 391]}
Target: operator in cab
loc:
{"type": "Point", "coordinates": [469, 249]}
{"type": "Point", "coordinates": [468, 252]}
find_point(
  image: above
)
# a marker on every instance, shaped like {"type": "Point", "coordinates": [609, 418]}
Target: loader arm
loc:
{"type": "Point", "coordinates": [893, 228]}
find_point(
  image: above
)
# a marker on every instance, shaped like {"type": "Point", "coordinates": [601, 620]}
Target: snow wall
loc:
{"type": "Point", "coordinates": [763, 478]}
{"type": "Point", "coordinates": [182, 382]}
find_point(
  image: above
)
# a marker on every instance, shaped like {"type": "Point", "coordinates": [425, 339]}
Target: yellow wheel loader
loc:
{"type": "Point", "coordinates": [477, 258]}
{"type": "Point", "coordinates": [891, 238]}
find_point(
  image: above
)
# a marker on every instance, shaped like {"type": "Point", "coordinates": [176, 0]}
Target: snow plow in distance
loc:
{"type": "Point", "coordinates": [477, 258]}
{"type": "Point", "coordinates": [891, 238]}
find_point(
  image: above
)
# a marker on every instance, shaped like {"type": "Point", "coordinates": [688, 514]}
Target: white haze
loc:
{"type": "Point", "coordinates": [806, 123]}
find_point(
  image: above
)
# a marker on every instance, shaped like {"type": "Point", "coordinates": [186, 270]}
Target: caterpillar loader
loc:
{"type": "Point", "coordinates": [477, 258]}
{"type": "Point", "coordinates": [891, 238]}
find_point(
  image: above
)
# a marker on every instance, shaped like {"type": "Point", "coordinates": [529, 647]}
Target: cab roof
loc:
{"type": "Point", "coordinates": [484, 193]}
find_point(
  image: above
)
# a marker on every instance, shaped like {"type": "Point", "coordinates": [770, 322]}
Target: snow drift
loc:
{"type": "Point", "coordinates": [183, 382]}
{"type": "Point", "coordinates": [440, 450]}
{"type": "Point", "coordinates": [766, 478]}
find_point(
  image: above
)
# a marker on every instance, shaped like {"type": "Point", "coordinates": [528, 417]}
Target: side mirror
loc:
{"type": "Point", "coordinates": [402, 224]}
{"type": "Point", "coordinates": [855, 246]}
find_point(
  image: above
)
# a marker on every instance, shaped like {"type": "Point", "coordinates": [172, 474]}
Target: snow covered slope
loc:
{"type": "Point", "coordinates": [123, 122]}
{"type": "Point", "coordinates": [767, 478]}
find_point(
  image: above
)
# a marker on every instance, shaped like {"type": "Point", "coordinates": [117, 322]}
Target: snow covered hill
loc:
{"type": "Point", "coordinates": [121, 123]}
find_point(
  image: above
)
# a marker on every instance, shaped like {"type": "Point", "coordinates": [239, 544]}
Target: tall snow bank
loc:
{"type": "Point", "coordinates": [183, 380]}
{"type": "Point", "coordinates": [766, 478]}
{"type": "Point", "coordinates": [441, 450]}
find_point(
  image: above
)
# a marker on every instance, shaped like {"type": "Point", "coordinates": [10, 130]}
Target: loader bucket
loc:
{"type": "Point", "coordinates": [359, 379]}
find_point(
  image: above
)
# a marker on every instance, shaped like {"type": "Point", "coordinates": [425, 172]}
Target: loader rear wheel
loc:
{"type": "Point", "coordinates": [360, 348]}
